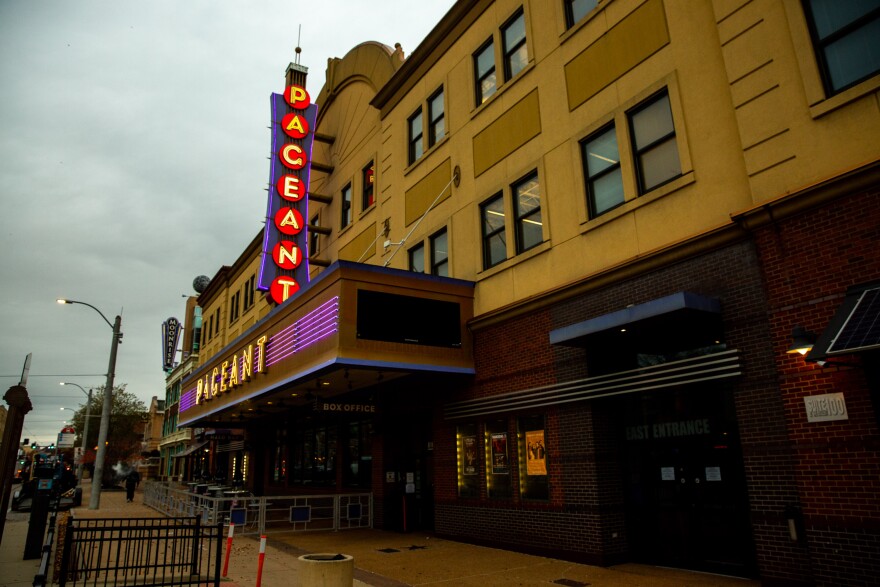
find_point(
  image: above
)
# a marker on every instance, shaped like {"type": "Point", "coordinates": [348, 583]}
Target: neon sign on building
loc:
{"type": "Point", "coordinates": [284, 265]}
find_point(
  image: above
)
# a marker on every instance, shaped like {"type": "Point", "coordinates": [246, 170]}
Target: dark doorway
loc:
{"type": "Point", "coordinates": [686, 494]}
{"type": "Point", "coordinates": [409, 458]}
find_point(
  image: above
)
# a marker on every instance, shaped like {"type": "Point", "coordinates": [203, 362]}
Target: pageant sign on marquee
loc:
{"type": "Point", "coordinates": [284, 267]}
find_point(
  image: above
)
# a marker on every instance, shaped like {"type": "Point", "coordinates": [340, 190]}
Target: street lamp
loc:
{"type": "Point", "coordinates": [95, 500]}
{"type": "Point", "coordinates": [79, 467]}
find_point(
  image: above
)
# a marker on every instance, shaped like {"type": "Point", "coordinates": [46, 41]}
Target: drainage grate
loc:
{"type": "Point", "coordinates": [388, 550]}
{"type": "Point", "coordinates": [570, 583]}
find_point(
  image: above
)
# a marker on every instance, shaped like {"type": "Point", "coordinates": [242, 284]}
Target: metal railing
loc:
{"type": "Point", "coordinates": [268, 514]}
{"type": "Point", "coordinates": [145, 552]}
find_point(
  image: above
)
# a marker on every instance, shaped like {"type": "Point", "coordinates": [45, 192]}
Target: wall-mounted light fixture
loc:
{"type": "Point", "coordinates": [802, 340]}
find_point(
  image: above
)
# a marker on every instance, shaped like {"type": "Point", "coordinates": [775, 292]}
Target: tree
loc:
{"type": "Point", "coordinates": [127, 416]}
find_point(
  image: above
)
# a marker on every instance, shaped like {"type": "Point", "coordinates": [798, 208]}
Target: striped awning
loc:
{"type": "Point", "coordinates": [715, 366]}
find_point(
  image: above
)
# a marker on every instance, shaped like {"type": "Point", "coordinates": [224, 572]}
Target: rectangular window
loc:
{"type": "Point", "coordinates": [484, 72]}
{"type": "Point", "coordinates": [436, 118]}
{"type": "Point", "coordinates": [845, 38]}
{"type": "Point", "coordinates": [653, 137]}
{"type": "Point", "coordinates": [417, 258]}
{"type": "Point", "coordinates": [513, 36]}
{"type": "Point", "coordinates": [234, 306]}
{"type": "Point", "coordinates": [414, 124]}
{"type": "Point", "coordinates": [527, 204]}
{"type": "Point", "coordinates": [314, 243]}
{"type": "Point", "coordinates": [468, 449]}
{"type": "Point", "coordinates": [345, 219]}
{"type": "Point", "coordinates": [494, 242]}
{"type": "Point", "coordinates": [533, 478]}
{"type": "Point", "coordinates": [249, 292]}
{"type": "Point", "coordinates": [575, 10]}
{"type": "Point", "coordinates": [601, 162]}
{"type": "Point", "coordinates": [368, 181]}
{"type": "Point", "coordinates": [440, 254]}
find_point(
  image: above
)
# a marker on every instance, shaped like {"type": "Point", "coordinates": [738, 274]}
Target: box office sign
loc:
{"type": "Point", "coordinates": [284, 265]}
{"type": "Point", "coordinates": [344, 408]}
{"type": "Point", "coordinates": [826, 408]}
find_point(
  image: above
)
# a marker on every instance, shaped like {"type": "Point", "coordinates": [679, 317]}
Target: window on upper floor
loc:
{"type": "Point", "coordinates": [655, 158]}
{"type": "Point", "coordinates": [417, 258]}
{"type": "Point", "coordinates": [234, 306]}
{"type": "Point", "coordinates": [654, 144]}
{"type": "Point", "coordinates": [601, 162]}
{"type": "Point", "coordinates": [493, 227]}
{"type": "Point", "coordinates": [527, 213]}
{"type": "Point", "coordinates": [524, 220]}
{"type": "Point", "coordinates": [845, 38]}
{"type": "Point", "coordinates": [575, 10]}
{"type": "Point", "coordinates": [440, 254]}
{"type": "Point", "coordinates": [436, 118]}
{"type": "Point", "coordinates": [249, 292]}
{"type": "Point", "coordinates": [415, 136]}
{"type": "Point", "coordinates": [484, 72]}
{"type": "Point", "coordinates": [314, 242]}
{"type": "Point", "coordinates": [367, 179]}
{"type": "Point", "coordinates": [513, 42]}
{"type": "Point", "coordinates": [345, 212]}
{"type": "Point", "coordinates": [514, 57]}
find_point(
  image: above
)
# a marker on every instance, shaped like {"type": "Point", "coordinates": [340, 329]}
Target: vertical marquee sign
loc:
{"type": "Point", "coordinates": [170, 336]}
{"type": "Point", "coordinates": [284, 265]}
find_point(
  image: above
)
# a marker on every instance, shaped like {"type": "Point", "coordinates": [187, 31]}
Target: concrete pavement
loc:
{"type": "Point", "coordinates": [382, 559]}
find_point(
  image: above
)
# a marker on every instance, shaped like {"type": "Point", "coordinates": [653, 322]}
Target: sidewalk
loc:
{"type": "Point", "coordinates": [382, 559]}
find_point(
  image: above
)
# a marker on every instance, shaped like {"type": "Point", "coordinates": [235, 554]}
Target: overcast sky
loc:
{"type": "Point", "coordinates": [133, 157]}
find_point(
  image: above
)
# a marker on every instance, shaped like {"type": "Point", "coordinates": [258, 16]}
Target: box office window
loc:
{"type": "Point", "coordinates": [498, 484]}
{"type": "Point", "coordinates": [532, 442]}
{"type": "Point", "coordinates": [468, 458]}
{"type": "Point", "coordinates": [358, 458]}
{"type": "Point", "coordinates": [314, 456]}
{"type": "Point", "coordinates": [279, 460]}
{"type": "Point", "coordinates": [397, 318]}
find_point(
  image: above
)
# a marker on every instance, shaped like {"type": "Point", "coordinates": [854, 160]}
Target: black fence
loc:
{"type": "Point", "coordinates": [143, 552]}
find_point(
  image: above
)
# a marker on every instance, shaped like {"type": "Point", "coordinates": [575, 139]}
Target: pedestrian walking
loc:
{"type": "Point", "coordinates": [132, 480]}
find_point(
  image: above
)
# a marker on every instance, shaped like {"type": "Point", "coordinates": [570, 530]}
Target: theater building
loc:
{"type": "Point", "coordinates": [553, 263]}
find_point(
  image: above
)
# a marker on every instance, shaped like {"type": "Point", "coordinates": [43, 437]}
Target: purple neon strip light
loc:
{"type": "Point", "coordinates": [303, 331]}
{"type": "Point", "coordinates": [314, 326]}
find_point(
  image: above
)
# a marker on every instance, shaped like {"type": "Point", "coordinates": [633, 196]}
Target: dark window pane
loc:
{"type": "Point", "coordinates": [575, 10]}
{"type": "Point", "coordinates": [417, 259]}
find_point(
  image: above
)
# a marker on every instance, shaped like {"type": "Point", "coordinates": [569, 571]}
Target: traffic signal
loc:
{"type": "Point", "coordinates": [33, 445]}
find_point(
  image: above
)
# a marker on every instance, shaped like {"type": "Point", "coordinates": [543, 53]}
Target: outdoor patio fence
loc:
{"type": "Point", "coordinates": [266, 514]}
{"type": "Point", "coordinates": [143, 552]}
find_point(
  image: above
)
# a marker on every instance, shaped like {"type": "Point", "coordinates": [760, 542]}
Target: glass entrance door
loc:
{"type": "Point", "coordinates": [686, 492]}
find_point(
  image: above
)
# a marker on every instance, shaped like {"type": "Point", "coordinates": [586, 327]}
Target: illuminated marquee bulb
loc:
{"type": "Point", "coordinates": [291, 188]}
{"type": "Point", "coordinates": [293, 156]}
{"type": "Point", "coordinates": [297, 97]}
{"type": "Point", "coordinates": [295, 125]}
{"type": "Point", "coordinates": [289, 221]}
{"type": "Point", "coordinates": [287, 255]}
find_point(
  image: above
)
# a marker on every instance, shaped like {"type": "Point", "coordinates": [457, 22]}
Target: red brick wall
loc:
{"type": "Point", "coordinates": [809, 261]}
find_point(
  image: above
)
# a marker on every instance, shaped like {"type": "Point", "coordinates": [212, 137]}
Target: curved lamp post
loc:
{"type": "Point", "coordinates": [79, 467]}
{"type": "Point", "coordinates": [95, 500]}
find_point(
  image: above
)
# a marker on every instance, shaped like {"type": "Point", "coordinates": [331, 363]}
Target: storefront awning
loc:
{"type": "Point", "coordinates": [855, 326]}
{"type": "Point", "coordinates": [191, 450]}
{"type": "Point", "coordinates": [680, 302]}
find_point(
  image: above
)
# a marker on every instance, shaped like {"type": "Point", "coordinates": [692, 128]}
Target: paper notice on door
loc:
{"type": "Point", "coordinates": [667, 473]}
{"type": "Point", "coordinates": [713, 473]}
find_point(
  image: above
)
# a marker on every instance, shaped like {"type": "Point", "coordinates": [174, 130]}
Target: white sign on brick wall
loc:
{"type": "Point", "coordinates": [826, 408]}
